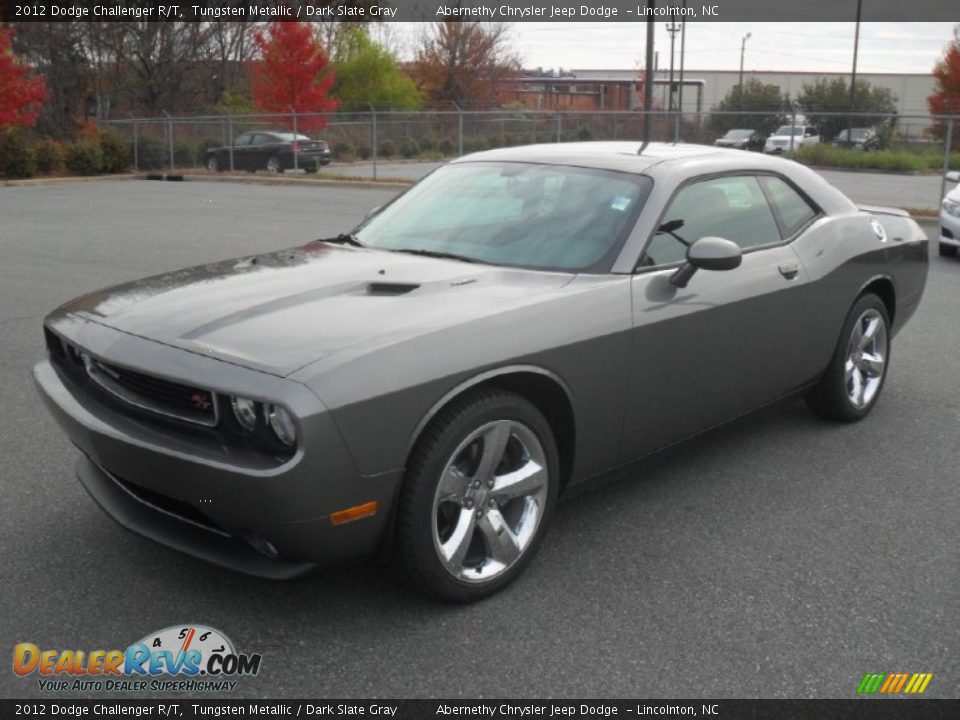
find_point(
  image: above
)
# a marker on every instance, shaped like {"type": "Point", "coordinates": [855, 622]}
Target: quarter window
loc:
{"type": "Point", "coordinates": [794, 210]}
{"type": "Point", "coordinates": [731, 207]}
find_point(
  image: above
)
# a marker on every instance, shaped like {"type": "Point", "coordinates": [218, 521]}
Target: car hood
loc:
{"type": "Point", "coordinates": [280, 311]}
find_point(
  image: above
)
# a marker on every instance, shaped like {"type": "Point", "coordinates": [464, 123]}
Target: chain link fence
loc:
{"type": "Point", "coordinates": [371, 144]}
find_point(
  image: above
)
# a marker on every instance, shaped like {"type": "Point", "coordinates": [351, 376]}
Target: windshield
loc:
{"type": "Point", "coordinates": [739, 134]}
{"type": "Point", "coordinates": [289, 137]}
{"type": "Point", "coordinates": [545, 217]}
{"type": "Point", "coordinates": [787, 130]}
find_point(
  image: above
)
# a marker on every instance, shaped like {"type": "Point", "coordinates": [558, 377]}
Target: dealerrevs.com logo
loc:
{"type": "Point", "coordinates": [187, 658]}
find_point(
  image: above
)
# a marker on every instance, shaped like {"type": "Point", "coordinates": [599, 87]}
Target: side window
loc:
{"type": "Point", "coordinates": [243, 140]}
{"type": "Point", "coordinates": [260, 139]}
{"type": "Point", "coordinates": [794, 210]}
{"type": "Point", "coordinates": [732, 207]}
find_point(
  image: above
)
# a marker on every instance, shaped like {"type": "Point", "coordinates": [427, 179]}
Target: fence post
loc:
{"type": "Point", "coordinates": [375, 138]}
{"type": "Point", "coordinates": [296, 164]}
{"type": "Point", "coordinates": [559, 126]}
{"type": "Point", "coordinates": [459, 129]}
{"type": "Point", "coordinates": [230, 138]}
{"type": "Point", "coordinates": [946, 160]}
{"type": "Point", "coordinates": [793, 124]}
{"type": "Point", "coordinates": [136, 145]}
{"type": "Point", "coordinates": [169, 137]}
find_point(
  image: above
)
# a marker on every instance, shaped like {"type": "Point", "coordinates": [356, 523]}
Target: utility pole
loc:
{"type": "Point", "coordinates": [648, 81]}
{"type": "Point", "coordinates": [683, 49]}
{"type": "Point", "coordinates": [853, 75]}
{"type": "Point", "coordinates": [743, 47]}
{"type": "Point", "coordinates": [673, 29]}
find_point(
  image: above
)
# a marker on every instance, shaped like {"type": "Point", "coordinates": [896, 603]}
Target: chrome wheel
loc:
{"type": "Point", "coordinates": [866, 358]}
{"type": "Point", "coordinates": [490, 500]}
{"type": "Point", "coordinates": [212, 165]}
{"type": "Point", "coordinates": [273, 165]}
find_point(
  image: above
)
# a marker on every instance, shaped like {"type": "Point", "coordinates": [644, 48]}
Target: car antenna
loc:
{"type": "Point", "coordinates": [648, 80]}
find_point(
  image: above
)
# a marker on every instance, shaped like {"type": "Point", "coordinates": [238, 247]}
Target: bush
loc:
{"type": "Point", "coordinates": [409, 148]}
{"type": "Point", "coordinates": [183, 155]}
{"type": "Point", "coordinates": [16, 155]}
{"type": "Point", "coordinates": [116, 156]}
{"type": "Point", "coordinates": [427, 144]}
{"type": "Point", "coordinates": [387, 149]}
{"type": "Point", "coordinates": [446, 147]}
{"type": "Point", "coordinates": [345, 151]}
{"type": "Point", "coordinates": [364, 151]}
{"type": "Point", "coordinates": [584, 134]}
{"type": "Point", "coordinates": [152, 153]}
{"type": "Point", "coordinates": [48, 156]}
{"type": "Point", "coordinates": [84, 157]}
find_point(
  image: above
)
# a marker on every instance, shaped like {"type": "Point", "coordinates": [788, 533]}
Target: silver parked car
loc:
{"type": "Point", "coordinates": [950, 219]}
{"type": "Point", "coordinates": [520, 322]}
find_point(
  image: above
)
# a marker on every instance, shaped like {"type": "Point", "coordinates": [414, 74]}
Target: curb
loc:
{"type": "Point", "coordinates": [66, 180]}
{"type": "Point", "coordinates": [316, 181]}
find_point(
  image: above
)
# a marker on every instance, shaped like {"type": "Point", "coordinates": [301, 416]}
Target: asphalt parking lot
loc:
{"type": "Point", "coordinates": [777, 557]}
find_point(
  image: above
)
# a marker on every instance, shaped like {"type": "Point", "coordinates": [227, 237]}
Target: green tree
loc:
{"type": "Point", "coordinates": [756, 106]}
{"type": "Point", "coordinates": [824, 97]}
{"type": "Point", "coordinates": [367, 73]}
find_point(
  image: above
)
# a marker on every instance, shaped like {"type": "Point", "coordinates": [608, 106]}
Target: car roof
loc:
{"type": "Point", "coordinates": [604, 155]}
{"type": "Point", "coordinates": [658, 159]}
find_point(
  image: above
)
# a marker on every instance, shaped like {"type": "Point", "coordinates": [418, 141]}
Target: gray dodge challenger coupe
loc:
{"type": "Point", "coordinates": [521, 321]}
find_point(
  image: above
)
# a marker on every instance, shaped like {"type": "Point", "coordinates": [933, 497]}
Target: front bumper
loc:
{"type": "Point", "coordinates": [270, 519]}
{"type": "Point", "coordinates": [949, 229]}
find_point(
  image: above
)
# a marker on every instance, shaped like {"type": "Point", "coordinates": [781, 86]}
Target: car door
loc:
{"type": "Point", "coordinates": [241, 152]}
{"type": "Point", "coordinates": [262, 149]}
{"type": "Point", "coordinates": [727, 342]}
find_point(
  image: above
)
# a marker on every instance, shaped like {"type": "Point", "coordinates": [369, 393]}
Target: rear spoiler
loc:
{"type": "Point", "coordinates": [879, 210]}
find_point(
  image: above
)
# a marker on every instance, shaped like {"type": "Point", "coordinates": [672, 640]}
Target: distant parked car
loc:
{"type": "Point", "coordinates": [858, 138]}
{"type": "Point", "coordinates": [742, 139]}
{"type": "Point", "coordinates": [780, 140]}
{"type": "Point", "coordinates": [950, 219]}
{"type": "Point", "coordinates": [270, 151]}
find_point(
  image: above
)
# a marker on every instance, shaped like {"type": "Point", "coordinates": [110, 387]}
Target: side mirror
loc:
{"type": "Point", "coordinates": [953, 176]}
{"type": "Point", "coordinates": [708, 253]}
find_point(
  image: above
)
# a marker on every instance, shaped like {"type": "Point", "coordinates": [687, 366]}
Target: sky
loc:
{"type": "Point", "coordinates": [819, 47]}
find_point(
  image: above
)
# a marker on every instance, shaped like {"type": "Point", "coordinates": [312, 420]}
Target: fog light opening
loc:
{"type": "Point", "coordinates": [260, 544]}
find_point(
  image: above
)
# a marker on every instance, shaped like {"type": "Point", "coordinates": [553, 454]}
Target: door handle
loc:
{"type": "Point", "coordinates": [789, 270]}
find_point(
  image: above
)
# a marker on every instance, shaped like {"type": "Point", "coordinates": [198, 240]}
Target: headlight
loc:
{"type": "Point", "coordinates": [245, 412]}
{"type": "Point", "coordinates": [951, 208]}
{"type": "Point", "coordinates": [281, 422]}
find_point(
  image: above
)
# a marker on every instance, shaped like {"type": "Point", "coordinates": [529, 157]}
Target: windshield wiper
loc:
{"type": "Point", "coordinates": [344, 239]}
{"type": "Point", "coordinates": [436, 254]}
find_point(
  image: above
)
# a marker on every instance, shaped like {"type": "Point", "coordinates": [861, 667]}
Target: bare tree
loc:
{"type": "Point", "coordinates": [465, 62]}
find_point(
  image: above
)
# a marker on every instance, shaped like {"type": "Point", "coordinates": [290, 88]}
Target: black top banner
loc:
{"type": "Point", "coordinates": [194, 709]}
{"type": "Point", "coordinates": [478, 10]}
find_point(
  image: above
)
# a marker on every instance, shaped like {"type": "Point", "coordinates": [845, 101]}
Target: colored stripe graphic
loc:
{"type": "Point", "coordinates": [894, 683]}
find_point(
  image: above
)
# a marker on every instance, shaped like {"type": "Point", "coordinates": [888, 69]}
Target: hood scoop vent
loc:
{"type": "Point", "coordinates": [390, 289]}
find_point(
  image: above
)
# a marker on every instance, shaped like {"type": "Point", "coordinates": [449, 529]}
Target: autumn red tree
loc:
{"type": "Point", "coordinates": [21, 92]}
{"type": "Point", "coordinates": [292, 73]}
{"type": "Point", "coordinates": [945, 99]}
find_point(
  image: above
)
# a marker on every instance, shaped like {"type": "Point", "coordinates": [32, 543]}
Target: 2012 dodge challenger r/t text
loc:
{"type": "Point", "coordinates": [520, 321]}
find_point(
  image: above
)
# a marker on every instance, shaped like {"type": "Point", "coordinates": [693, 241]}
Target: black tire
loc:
{"type": "Point", "coordinates": [948, 250]}
{"type": "Point", "coordinates": [436, 447]}
{"type": "Point", "coordinates": [310, 169]}
{"type": "Point", "coordinates": [830, 399]}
